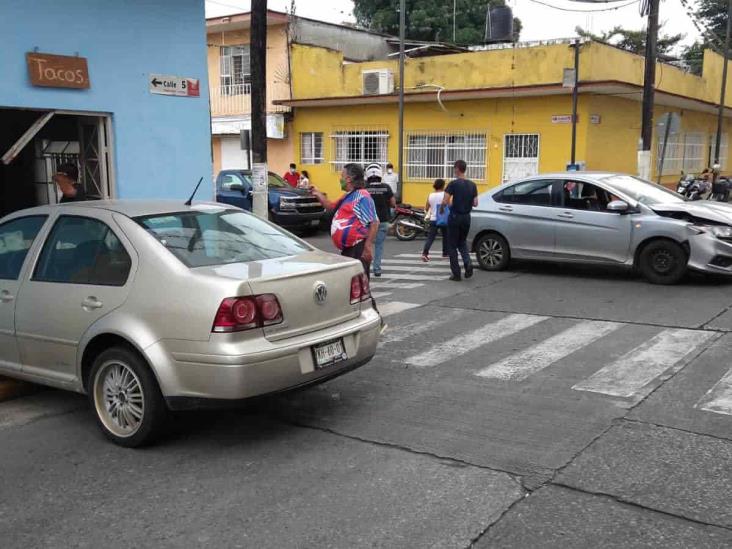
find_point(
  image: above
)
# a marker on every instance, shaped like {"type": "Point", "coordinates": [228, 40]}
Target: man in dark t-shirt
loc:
{"type": "Point", "coordinates": [384, 201]}
{"type": "Point", "coordinates": [66, 179]}
{"type": "Point", "coordinates": [462, 196]}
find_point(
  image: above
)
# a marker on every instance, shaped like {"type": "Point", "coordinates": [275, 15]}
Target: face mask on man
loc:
{"type": "Point", "coordinates": [344, 184]}
{"type": "Point", "coordinates": [292, 170]}
{"type": "Point", "coordinates": [390, 171]}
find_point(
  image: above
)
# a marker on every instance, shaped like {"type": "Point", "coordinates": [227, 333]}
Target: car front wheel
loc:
{"type": "Point", "coordinates": [126, 398]}
{"type": "Point", "coordinates": [663, 262]}
{"type": "Point", "coordinates": [492, 252]}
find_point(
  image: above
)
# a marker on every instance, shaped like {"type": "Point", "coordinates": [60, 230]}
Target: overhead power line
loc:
{"type": "Point", "coordinates": [574, 10]}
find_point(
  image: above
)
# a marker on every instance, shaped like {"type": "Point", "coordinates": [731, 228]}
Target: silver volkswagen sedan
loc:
{"type": "Point", "coordinates": [602, 218]}
{"type": "Point", "coordinates": [152, 306]}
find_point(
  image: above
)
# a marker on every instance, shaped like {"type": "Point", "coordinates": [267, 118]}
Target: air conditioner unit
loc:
{"type": "Point", "coordinates": [378, 82]}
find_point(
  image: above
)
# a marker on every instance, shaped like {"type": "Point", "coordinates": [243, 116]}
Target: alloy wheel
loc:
{"type": "Point", "coordinates": [491, 252]}
{"type": "Point", "coordinates": [119, 399]}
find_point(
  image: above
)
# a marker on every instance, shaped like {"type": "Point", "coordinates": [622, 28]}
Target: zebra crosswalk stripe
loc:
{"type": "Point", "coordinates": [395, 307]}
{"type": "Point", "coordinates": [630, 374]}
{"type": "Point", "coordinates": [422, 277]}
{"type": "Point", "coordinates": [401, 333]}
{"type": "Point", "coordinates": [417, 270]}
{"type": "Point", "coordinates": [521, 365]}
{"type": "Point", "coordinates": [477, 338]}
{"type": "Point", "coordinates": [719, 398]}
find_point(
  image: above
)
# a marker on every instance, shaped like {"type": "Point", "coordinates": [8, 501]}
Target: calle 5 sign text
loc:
{"type": "Point", "coordinates": [57, 71]}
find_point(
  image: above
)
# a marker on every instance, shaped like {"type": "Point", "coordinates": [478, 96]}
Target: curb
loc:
{"type": "Point", "coordinates": [11, 388]}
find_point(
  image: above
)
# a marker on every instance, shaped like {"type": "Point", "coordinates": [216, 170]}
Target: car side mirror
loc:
{"type": "Point", "coordinates": [236, 187]}
{"type": "Point", "coordinates": [618, 206]}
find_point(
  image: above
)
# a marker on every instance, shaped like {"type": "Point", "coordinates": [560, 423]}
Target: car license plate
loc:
{"type": "Point", "coordinates": [315, 222]}
{"type": "Point", "coordinates": [329, 353]}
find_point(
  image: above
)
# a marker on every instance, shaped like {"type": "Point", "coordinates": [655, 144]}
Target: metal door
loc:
{"type": "Point", "coordinates": [52, 316]}
{"type": "Point", "coordinates": [94, 155]}
{"type": "Point", "coordinates": [591, 235]}
{"type": "Point", "coordinates": [520, 156]}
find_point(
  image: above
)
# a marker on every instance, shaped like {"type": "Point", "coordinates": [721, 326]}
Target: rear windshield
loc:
{"type": "Point", "coordinates": [220, 236]}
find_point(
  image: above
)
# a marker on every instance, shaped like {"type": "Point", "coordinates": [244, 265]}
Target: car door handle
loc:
{"type": "Point", "coordinates": [6, 296]}
{"type": "Point", "coordinates": [91, 303]}
{"type": "Point", "coordinates": [566, 215]}
{"type": "Point", "coordinates": [506, 208]}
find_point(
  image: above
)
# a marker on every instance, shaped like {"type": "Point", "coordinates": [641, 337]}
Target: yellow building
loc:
{"type": "Point", "coordinates": [230, 80]}
{"type": "Point", "coordinates": [504, 110]}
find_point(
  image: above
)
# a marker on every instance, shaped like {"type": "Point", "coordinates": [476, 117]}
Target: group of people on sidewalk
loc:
{"type": "Point", "coordinates": [361, 217]}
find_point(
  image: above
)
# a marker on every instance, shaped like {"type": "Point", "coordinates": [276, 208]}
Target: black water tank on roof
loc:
{"type": "Point", "coordinates": [499, 25]}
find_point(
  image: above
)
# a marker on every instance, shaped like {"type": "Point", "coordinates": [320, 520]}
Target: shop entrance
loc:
{"type": "Point", "coordinates": [34, 143]}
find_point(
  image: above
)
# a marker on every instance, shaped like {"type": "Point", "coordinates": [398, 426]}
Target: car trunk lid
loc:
{"type": "Point", "coordinates": [298, 283]}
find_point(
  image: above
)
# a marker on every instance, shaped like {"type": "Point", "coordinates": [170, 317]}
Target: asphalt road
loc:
{"type": "Point", "coordinates": [541, 407]}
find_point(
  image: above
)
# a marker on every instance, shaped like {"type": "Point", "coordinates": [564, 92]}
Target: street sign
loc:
{"type": "Point", "coordinates": [562, 119]}
{"type": "Point", "coordinates": [568, 78]}
{"type": "Point", "coordinates": [165, 84]}
{"type": "Point", "coordinates": [595, 119]}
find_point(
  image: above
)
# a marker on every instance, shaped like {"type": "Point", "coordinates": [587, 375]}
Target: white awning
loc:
{"type": "Point", "coordinates": [233, 126]}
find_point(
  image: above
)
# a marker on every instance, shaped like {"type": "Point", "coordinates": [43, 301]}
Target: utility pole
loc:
{"type": "Point", "coordinates": [720, 115]}
{"type": "Point", "coordinates": [402, 30]}
{"type": "Point", "coordinates": [575, 94]}
{"type": "Point", "coordinates": [258, 59]}
{"type": "Point", "coordinates": [649, 88]}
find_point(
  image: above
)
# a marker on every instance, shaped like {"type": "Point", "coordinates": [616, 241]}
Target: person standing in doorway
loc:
{"type": "Point", "coordinates": [304, 182]}
{"type": "Point", "coordinates": [355, 222]}
{"type": "Point", "coordinates": [384, 201]}
{"type": "Point", "coordinates": [391, 178]}
{"type": "Point", "coordinates": [67, 181]}
{"type": "Point", "coordinates": [462, 196]}
{"type": "Point", "coordinates": [292, 176]}
{"type": "Point", "coordinates": [434, 204]}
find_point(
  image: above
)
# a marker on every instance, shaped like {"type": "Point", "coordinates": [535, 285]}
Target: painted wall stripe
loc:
{"type": "Point", "coordinates": [719, 398]}
{"type": "Point", "coordinates": [521, 365]}
{"type": "Point", "coordinates": [629, 375]}
{"type": "Point", "coordinates": [464, 344]}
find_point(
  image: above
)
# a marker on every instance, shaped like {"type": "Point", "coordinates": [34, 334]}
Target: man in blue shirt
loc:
{"type": "Point", "coordinates": [462, 196]}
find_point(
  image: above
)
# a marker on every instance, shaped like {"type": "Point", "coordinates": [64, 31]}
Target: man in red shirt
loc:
{"type": "Point", "coordinates": [292, 176]}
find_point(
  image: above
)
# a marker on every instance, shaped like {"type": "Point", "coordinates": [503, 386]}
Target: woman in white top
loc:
{"type": "Point", "coordinates": [304, 182]}
{"type": "Point", "coordinates": [434, 202]}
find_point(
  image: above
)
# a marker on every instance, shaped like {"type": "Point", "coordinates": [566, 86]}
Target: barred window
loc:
{"type": "Point", "coordinates": [723, 150]}
{"type": "Point", "coordinates": [431, 155]}
{"type": "Point", "coordinates": [694, 152]}
{"type": "Point", "coordinates": [359, 147]}
{"type": "Point", "coordinates": [311, 148]}
{"type": "Point", "coordinates": [235, 77]}
{"type": "Point", "coordinates": [687, 152]}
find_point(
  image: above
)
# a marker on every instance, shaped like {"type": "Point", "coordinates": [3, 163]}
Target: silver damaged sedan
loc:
{"type": "Point", "coordinates": [605, 219]}
{"type": "Point", "coordinates": [151, 306]}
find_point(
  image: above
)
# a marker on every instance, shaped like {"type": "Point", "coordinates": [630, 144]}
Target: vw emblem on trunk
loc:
{"type": "Point", "coordinates": [320, 294]}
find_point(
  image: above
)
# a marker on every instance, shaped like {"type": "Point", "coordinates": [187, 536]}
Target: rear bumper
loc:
{"type": "Point", "coordinates": [189, 376]}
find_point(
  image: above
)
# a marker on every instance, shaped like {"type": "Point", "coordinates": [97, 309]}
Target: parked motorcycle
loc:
{"type": "Point", "coordinates": [684, 183]}
{"type": "Point", "coordinates": [409, 222]}
{"type": "Point", "coordinates": [694, 188]}
{"type": "Point", "coordinates": [721, 190]}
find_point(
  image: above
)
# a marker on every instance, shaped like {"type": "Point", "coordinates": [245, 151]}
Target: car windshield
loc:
{"type": "Point", "coordinates": [642, 191]}
{"type": "Point", "coordinates": [276, 181]}
{"type": "Point", "coordinates": [218, 236]}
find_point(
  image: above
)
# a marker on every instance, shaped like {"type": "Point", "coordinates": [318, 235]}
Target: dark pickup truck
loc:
{"type": "Point", "coordinates": [290, 208]}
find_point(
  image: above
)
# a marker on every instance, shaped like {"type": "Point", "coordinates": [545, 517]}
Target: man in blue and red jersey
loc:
{"type": "Point", "coordinates": [355, 222]}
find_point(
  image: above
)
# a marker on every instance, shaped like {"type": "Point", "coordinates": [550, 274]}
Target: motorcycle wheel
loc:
{"type": "Point", "coordinates": [403, 232]}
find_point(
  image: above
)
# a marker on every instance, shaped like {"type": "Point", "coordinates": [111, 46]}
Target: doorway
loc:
{"type": "Point", "coordinates": [34, 143]}
{"type": "Point", "coordinates": [520, 156]}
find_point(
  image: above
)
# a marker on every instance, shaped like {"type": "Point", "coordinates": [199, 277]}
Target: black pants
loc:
{"type": "Point", "coordinates": [356, 252]}
{"type": "Point", "coordinates": [458, 227]}
{"type": "Point", "coordinates": [431, 235]}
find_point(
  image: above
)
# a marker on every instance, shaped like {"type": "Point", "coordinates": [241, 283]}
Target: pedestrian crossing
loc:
{"type": "Point", "coordinates": [626, 377]}
{"type": "Point", "coordinates": [408, 272]}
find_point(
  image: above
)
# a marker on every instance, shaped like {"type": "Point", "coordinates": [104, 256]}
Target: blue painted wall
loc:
{"type": "Point", "coordinates": [162, 144]}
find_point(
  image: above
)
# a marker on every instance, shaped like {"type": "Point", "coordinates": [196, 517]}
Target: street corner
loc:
{"type": "Point", "coordinates": [671, 471]}
{"type": "Point", "coordinates": [556, 517]}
